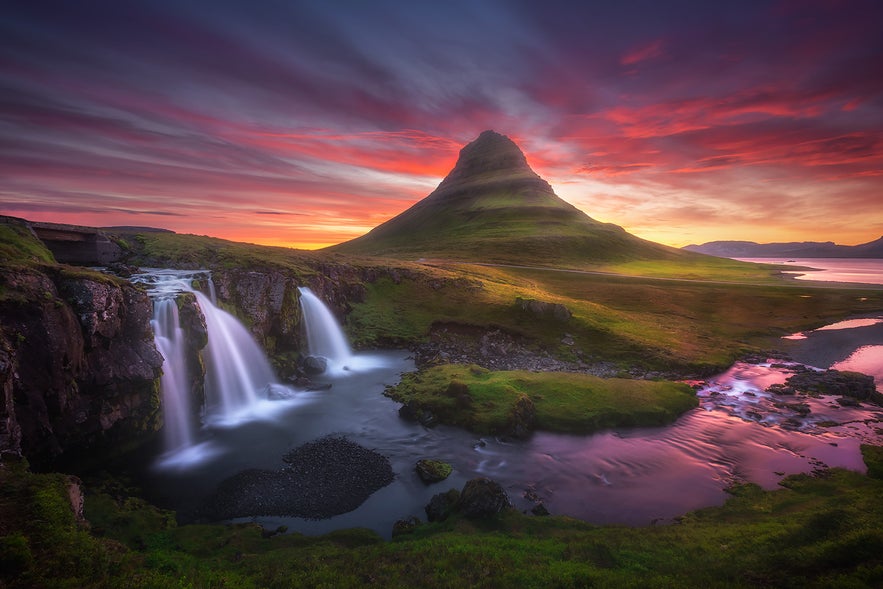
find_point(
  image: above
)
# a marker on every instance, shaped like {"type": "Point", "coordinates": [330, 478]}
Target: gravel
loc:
{"type": "Point", "coordinates": [322, 479]}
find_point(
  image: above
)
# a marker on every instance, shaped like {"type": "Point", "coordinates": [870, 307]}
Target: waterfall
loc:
{"type": "Point", "coordinates": [238, 374]}
{"type": "Point", "coordinates": [237, 370]}
{"type": "Point", "coordinates": [325, 338]}
{"type": "Point", "coordinates": [175, 382]}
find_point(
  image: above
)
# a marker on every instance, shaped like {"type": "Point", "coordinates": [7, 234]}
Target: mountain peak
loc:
{"type": "Point", "coordinates": [492, 207]}
{"type": "Point", "coordinates": [490, 153]}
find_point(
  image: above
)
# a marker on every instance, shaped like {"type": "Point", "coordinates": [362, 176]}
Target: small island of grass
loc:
{"type": "Point", "coordinates": [516, 402]}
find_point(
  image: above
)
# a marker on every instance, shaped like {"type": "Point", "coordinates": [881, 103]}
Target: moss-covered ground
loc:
{"type": "Point", "coordinates": [818, 531]}
{"type": "Point", "coordinates": [484, 401]}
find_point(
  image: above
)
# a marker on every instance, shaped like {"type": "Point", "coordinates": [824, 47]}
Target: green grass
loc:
{"type": "Point", "coordinates": [817, 532]}
{"type": "Point", "coordinates": [675, 326]}
{"type": "Point", "coordinates": [19, 247]}
{"type": "Point", "coordinates": [483, 401]}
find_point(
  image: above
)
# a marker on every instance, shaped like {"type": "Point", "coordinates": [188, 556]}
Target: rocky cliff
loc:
{"type": "Point", "coordinates": [79, 371]}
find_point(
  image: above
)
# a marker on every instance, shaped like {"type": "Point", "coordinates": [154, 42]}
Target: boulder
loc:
{"type": "Point", "coordinates": [314, 365]}
{"type": "Point", "coordinates": [545, 310]}
{"type": "Point", "coordinates": [442, 505]}
{"type": "Point", "coordinates": [482, 497]}
{"type": "Point", "coordinates": [432, 471]}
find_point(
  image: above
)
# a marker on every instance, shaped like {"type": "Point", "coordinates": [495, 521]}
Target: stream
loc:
{"type": "Point", "coordinates": [634, 476]}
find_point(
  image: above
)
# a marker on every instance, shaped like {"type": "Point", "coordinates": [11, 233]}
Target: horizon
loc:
{"type": "Point", "coordinates": [306, 125]}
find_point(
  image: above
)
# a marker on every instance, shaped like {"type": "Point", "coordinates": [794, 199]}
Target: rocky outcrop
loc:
{"type": "Point", "coordinates": [835, 382]}
{"type": "Point", "coordinates": [483, 497]}
{"type": "Point", "coordinates": [78, 368]}
{"type": "Point", "coordinates": [480, 498]}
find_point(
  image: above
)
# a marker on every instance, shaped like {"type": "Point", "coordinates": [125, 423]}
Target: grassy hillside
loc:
{"type": "Point", "coordinates": [668, 325]}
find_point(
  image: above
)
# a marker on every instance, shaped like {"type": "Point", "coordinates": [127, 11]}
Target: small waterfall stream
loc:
{"type": "Point", "coordinates": [324, 335]}
{"type": "Point", "coordinates": [179, 421]}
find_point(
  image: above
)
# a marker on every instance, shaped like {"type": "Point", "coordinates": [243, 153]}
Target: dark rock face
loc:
{"type": "Point", "coordinates": [323, 478]}
{"type": "Point", "coordinates": [483, 497]}
{"type": "Point", "coordinates": [78, 366]}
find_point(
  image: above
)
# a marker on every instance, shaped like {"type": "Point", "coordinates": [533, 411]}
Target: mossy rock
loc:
{"type": "Point", "coordinates": [433, 471]}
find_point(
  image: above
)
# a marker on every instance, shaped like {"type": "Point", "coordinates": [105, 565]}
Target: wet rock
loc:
{"type": "Point", "coordinates": [323, 478]}
{"type": "Point", "coordinates": [442, 505]}
{"type": "Point", "coordinates": [848, 402]}
{"type": "Point", "coordinates": [313, 365]}
{"type": "Point", "coordinates": [432, 471]}
{"type": "Point", "coordinates": [836, 382]}
{"type": "Point", "coordinates": [483, 497]}
{"type": "Point", "coordinates": [802, 409]}
{"type": "Point", "coordinates": [412, 411]}
{"type": "Point", "coordinates": [780, 389]}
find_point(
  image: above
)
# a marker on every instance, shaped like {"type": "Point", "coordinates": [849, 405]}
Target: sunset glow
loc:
{"type": "Point", "coordinates": [305, 124]}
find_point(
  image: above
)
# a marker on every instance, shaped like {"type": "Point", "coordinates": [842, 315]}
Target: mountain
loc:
{"type": "Point", "coordinates": [804, 249]}
{"type": "Point", "coordinates": [492, 207]}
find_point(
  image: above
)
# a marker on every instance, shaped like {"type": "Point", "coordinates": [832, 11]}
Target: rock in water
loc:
{"type": "Point", "coordinates": [483, 497]}
{"type": "Point", "coordinates": [442, 505]}
{"type": "Point", "coordinates": [432, 471]}
{"type": "Point", "coordinates": [323, 478]}
{"type": "Point", "coordinates": [314, 365]}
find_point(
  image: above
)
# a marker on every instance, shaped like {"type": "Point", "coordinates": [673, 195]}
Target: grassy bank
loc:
{"type": "Point", "coordinates": [821, 531]}
{"type": "Point", "coordinates": [496, 402]}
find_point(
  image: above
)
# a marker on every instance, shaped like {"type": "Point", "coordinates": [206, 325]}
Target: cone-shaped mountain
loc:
{"type": "Point", "coordinates": [492, 207]}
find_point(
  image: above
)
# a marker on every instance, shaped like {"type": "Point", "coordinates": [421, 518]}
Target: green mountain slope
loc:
{"type": "Point", "coordinates": [492, 207]}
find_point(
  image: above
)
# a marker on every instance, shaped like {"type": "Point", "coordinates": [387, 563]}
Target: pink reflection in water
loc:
{"type": "Point", "coordinates": [866, 359]}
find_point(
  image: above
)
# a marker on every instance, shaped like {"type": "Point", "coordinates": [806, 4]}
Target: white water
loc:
{"type": "Point", "coordinates": [325, 338]}
{"type": "Point", "coordinates": [169, 337]}
{"type": "Point", "coordinates": [238, 375]}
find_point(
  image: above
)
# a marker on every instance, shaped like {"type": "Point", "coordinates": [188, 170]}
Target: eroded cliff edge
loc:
{"type": "Point", "coordinates": [78, 367]}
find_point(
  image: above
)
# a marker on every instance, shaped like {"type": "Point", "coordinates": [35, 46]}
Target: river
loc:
{"type": "Point", "coordinates": [848, 270]}
{"type": "Point", "coordinates": [633, 476]}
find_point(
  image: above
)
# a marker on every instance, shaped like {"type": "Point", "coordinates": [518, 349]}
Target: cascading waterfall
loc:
{"type": "Point", "coordinates": [237, 369]}
{"type": "Point", "coordinates": [238, 374]}
{"type": "Point", "coordinates": [169, 337]}
{"type": "Point", "coordinates": [325, 338]}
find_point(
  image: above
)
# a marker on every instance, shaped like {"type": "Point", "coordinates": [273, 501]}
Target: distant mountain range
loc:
{"type": "Point", "coordinates": [492, 207]}
{"type": "Point", "coordinates": [804, 249]}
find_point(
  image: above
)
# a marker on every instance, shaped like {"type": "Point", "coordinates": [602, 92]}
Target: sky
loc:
{"type": "Point", "coordinates": [307, 123]}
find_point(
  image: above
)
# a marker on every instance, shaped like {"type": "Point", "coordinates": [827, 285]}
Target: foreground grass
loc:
{"type": "Point", "coordinates": [821, 531]}
{"type": "Point", "coordinates": [493, 402]}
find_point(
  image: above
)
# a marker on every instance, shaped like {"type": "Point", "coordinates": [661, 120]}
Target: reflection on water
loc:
{"type": "Point", "coordinates": [866, 359]}
{"type": "Point", "coordinates": [856, 270]}
{"type": "Point", "coordinates": [626, 476]}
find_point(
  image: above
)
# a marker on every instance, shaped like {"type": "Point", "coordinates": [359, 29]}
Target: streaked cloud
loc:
{"type": "Point", "coordinates": [306, 123]}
